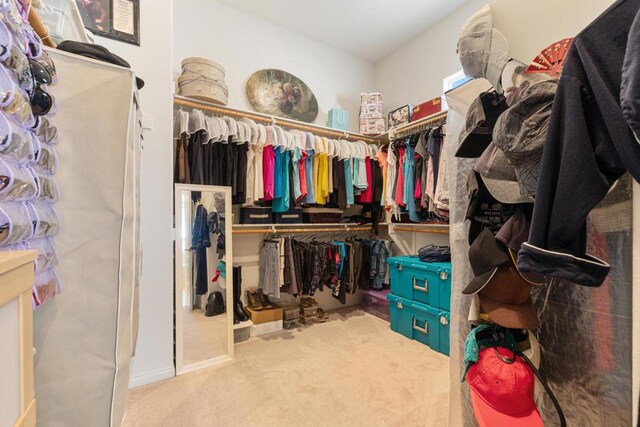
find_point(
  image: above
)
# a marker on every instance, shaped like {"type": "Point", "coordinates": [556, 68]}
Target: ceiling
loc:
{"type": "Point", "coordinates": [367, 29]}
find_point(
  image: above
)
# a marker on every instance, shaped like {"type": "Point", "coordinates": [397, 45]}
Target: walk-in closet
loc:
{"type": "Point", "coordinates": [304, 213]}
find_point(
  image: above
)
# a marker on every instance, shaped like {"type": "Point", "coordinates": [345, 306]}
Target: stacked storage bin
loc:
{"type": "Point", "coordinates": [420, 300]}
{"type": "Point", "coordinates": [372, 114]}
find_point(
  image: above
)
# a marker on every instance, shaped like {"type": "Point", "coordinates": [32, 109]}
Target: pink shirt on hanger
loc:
{"type": "Point", "coordinates": [302, 173]}
{"type": "Point", "coordinates": [367, 195]}
{"type": "Point", "coordinates": [268, 166]}
{"type": "Point", "coordinates": [400, 184]}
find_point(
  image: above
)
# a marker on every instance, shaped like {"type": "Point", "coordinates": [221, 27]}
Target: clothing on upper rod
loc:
{"type": "Point", "coordinates": [267, 164]}
{"type": "Point", "coordinates": [414, 176]}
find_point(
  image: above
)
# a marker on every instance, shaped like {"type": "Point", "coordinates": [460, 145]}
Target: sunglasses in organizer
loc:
{"type": "Point", "coordinates": [32, 75]}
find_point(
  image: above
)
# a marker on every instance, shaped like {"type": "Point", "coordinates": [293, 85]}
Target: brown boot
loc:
{"type": "Point", "coordinates": [254, 300]}
{"type": "Point", "coordinates": [264, 300]}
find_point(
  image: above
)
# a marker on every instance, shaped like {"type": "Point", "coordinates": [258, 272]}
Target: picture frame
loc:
{"type": "Point", "coordinates": [281, 94]}
{"type": "Point", "coordinates": [114, 19]}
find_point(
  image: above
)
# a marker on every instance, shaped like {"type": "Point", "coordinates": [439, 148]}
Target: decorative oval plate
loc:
{"type": "Point", "coordinates": [278, 93]}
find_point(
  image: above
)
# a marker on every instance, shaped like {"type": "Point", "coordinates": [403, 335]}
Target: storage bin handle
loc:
{"type": "Point", "coordinates": [420, 288]}
{"type": "Point", "coordinates": [424, 330]}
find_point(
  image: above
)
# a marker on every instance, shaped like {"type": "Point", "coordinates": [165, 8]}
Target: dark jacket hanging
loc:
{"type": "Point", "coordinates": [588, 147]}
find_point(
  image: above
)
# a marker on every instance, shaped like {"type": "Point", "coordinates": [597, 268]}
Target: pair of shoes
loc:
{"type": "Point", "coordinates": [239, 315]}
{"type": "Point", "coordinates": [258, 300]}
{"type": "Point", "coordinates": [322, 316]}
{"type": "Point", "coordinates": [307, 302]}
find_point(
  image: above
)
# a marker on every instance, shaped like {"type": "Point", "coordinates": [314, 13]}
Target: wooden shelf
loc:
{"type": "Point", "coordinates": [320, 225]}
{"type": "Point", "coordinates": [298, 228]}
{"type": "Point", "coordinates": [419, 228]}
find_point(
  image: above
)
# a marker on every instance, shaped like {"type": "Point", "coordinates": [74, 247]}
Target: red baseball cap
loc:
{"type": "Point", "coordinates": [501, 391]}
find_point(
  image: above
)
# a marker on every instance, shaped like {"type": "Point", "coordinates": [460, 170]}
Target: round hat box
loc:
{"type": "Point", "coordinates": [203, 67]}
{"type": "Point", "coordinates": [203, 89]}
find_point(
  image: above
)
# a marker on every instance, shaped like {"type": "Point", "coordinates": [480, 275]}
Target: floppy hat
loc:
{"type": "Point", "coordinates": [494, 164]}
{"type": "Point", "coordinates": [483, 50]}
{"type": "Point", "coordinates": [485, 256]}
{"type": "Point", "coordinates": [502, 390]}
{"type": "Point", "coordinates": [522, 130]}
{"type": "Point", "coordinates": [480, 122]}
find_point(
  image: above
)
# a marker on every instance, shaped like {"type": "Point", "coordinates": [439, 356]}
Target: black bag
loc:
{"type": "Point", "coordinates": [215, 304]}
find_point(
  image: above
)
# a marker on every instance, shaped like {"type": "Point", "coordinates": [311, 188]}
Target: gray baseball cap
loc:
{"type": "Point", "coordinates": [521, 131]}
{"type": "Point", "coordinates": [483, 50]}
{"type": "Point", "coordinates": [481, 118]}
{"type": "Point", "coordinates": [499, 176]}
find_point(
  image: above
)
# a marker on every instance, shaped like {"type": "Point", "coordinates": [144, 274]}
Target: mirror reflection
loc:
{"type": "Point", "coordinates": [203, 281]}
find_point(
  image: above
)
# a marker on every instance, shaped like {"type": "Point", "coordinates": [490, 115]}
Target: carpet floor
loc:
{"type": "Point", "coordinates": [351, 371]}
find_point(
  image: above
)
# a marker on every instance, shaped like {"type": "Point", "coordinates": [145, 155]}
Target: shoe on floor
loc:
{"type": "Point", "coordinates": [307, 302]}
{"type": "Point", "coordinates": [322, 317]}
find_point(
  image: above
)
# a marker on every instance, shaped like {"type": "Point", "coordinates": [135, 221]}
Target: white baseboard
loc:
{"type": "Point", "coordinates": [152, 377]}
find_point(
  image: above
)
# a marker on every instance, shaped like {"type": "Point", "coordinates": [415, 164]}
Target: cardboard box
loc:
{"type": "Point", "coordinates": [264, 316]}
{"type": "Point", "coordinates": [426, 109]}
{"type": "Point", "coordinates": [372, 126]}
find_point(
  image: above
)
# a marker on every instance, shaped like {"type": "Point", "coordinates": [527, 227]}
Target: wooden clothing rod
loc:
{"type": "Point", "coordinates": [422, 230]}
{"type": "Point", "coordinates": [182, 101]}
{"type": "Point", "coordinates": [408, 129]}
{"type": "Point", "coordinates": [301, 230]}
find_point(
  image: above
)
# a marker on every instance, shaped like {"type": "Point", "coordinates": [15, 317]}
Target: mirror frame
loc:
{"type": "Point", "coordinates": [179, 282]}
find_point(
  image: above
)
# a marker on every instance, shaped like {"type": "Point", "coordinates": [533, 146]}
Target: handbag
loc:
{"type": "Point", "coordinates": [215, 304]}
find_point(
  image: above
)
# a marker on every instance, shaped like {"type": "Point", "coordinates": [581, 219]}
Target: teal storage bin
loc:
{"type": "Point", "coordinates": [425, 282]}
{"type": "Point", "coordinates": [338, 119]}
{"type": "Point", "coordinates": [420, 322]}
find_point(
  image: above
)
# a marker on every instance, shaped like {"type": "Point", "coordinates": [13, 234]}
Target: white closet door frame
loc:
{"type": "Point", "coordinates": [179, 279]}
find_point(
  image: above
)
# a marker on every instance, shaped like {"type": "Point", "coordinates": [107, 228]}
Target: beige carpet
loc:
{"type": "Point", "coordinates": [204, 337]}
{"type": "Point", "coordinates": [351, 371]}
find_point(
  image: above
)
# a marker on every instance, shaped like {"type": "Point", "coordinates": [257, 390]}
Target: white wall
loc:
{"type": "Point", "coordinates": [414, 73]}
{"type": "Point", "coordinates": [152, 61]}
{"type": "Point", "coordinates": [244, 44]}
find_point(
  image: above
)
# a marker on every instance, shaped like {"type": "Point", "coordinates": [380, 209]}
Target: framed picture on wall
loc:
{"type": "Point", "coordinates": [114, 19]}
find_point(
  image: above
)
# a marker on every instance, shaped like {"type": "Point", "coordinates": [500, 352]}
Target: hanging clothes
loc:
{"type": "Point", "coordinates": [181, 156]}
{"type": "Point", "coordinates": [282, 192]}
{"type": "Point", "coordinates": [311, 195]}
{"type": "Point", "coordinates": [199, 244]}
{"type": "Point", "coordinates": [308, 267]}
{"type": "Point", "coordinates": [381, 157]}
{"type": "Point", "coordinates": [265, 164]}
{"type": "Point", "coordinates": [399, 190]}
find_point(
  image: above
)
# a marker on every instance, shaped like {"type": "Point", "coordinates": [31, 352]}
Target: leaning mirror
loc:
{"type": "Point", "coordinates": [203, 289]}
